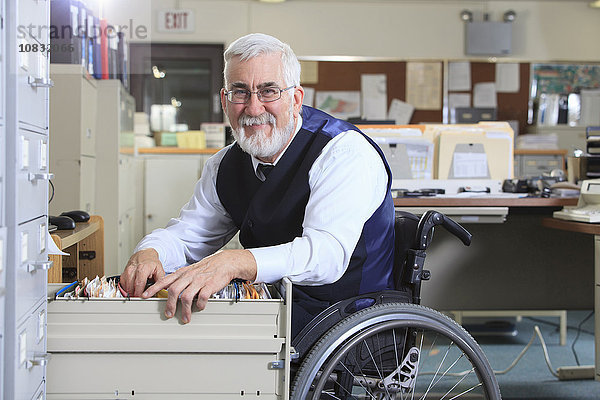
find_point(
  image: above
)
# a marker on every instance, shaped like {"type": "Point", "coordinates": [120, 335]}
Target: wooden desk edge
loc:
{"type": "Point", "coordinates": [483, 202]}
{"type": "Point", "coordinates": [571, 226]}
{"type": "Point", "coordinates": [82, 230]}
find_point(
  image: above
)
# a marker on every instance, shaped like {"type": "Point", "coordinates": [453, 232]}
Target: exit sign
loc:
{"type": "Point", "coordinates": [175, 21]}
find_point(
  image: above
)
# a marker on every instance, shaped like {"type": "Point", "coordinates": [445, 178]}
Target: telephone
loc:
{"type": "Point", "coordinates": [588, 206]}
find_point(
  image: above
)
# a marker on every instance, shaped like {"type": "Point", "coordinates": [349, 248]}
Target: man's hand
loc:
{"type": "Point", "coordinates": [203, 279]}
{"type": "Point", "coordinates": [142, 265]}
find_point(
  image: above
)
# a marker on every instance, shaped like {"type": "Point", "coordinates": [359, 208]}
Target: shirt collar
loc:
{"type": "Point", "coordinates": [256, 161]}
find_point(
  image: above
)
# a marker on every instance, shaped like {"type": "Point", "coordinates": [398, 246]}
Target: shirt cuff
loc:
{"type": "Point", "coordinates": [271, 263]}
{"type": "Point", "coordinates": [158, 249]}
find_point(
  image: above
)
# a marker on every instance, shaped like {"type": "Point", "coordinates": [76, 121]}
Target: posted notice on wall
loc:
{"type": "Point", "coordinates": [424, 85]}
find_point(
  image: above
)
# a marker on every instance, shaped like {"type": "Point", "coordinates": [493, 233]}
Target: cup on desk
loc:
{"type": "Point", "coordinates": [575, 169]}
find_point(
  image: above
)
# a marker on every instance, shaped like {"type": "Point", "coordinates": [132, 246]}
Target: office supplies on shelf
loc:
{"type": "Point", "coordinates": [592, 135]}
{"type": "Point", "coordinates": [588, 206]}
{"type": "Point", "coordinates": [450, 187]}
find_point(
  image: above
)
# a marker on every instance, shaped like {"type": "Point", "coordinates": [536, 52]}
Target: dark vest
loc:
{"type": "Point", "coordinates": [271, 212]}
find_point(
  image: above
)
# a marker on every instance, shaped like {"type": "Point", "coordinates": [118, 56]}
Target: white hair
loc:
{"type": "Point", "coordinates": [256, 44]}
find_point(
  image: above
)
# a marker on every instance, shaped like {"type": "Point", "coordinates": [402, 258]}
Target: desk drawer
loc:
{"type": "Point", "coordinates": [32, 175]}
{"type": "Point", "coordinates": [32, 263]}
{"type": "Point", "coordinates": [31, 355]}
{"type": "Point", "coordinates": [224, 352]}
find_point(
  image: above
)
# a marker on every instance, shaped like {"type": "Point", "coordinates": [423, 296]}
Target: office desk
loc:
{"type": "Point", "coordinates": [479, 209]}
{"type": "Point", "coordinates": [593, 229]}
{"type": "Point", "coordinates": [513, 264]}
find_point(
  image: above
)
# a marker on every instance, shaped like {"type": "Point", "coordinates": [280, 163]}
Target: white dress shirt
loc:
{"type": "Point", "coordinates": [347, 181]}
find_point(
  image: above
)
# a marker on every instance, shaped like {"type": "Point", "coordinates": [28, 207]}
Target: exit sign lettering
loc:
{"type": "Point", "coordinates": [175, 21]}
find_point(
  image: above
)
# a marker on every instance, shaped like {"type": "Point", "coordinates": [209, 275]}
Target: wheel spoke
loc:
{"type": "Point", "coordinates": [420, 359]}
{"type": "Point", "coordinates": [355, 360]}
{"type": "Point", "coordinates": [361, 385]}
{"type": "Point", "coordinates": [378, 372]}
{"type": "Point", "coordinates": [466, 391]}
{"type": "Point", "coordinates": [456, 384]}
{"type": "Point", "coordinates": [431, 384]}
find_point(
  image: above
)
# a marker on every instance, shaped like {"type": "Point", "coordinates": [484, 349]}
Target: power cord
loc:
{"type": "Point", "coordinates": [52, 195]}
{"type": "Point", "coordinates": [577, 336]}
{"type": "Point", "coordinates": [536, 331]}
{"type": "Point", "coordinates": [563, 373]}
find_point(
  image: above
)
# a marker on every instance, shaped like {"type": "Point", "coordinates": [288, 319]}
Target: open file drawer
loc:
{"type": "Point", "coordinates": [127, 349]}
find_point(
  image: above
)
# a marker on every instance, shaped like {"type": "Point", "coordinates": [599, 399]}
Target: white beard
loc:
{"type": "Point", "coordinates": [259, 144]}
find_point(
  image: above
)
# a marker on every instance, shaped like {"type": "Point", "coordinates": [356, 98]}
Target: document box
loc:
{"type": "Point", "coordinates": [127, 349]}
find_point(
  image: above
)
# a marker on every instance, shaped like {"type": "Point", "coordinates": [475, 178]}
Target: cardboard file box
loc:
{"type": "Point", "coordinates": [127, 349]}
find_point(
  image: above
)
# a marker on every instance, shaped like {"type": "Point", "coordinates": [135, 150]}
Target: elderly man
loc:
{"type": "Point", "coordinates": [308, 193]}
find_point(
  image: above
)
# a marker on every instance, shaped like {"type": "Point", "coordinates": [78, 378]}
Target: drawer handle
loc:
{"type": "Point", "coordinates": [38, 359]}
{"type": "Point", "coordinates": [39, 265]}
{"type": "Point", "coordinates": [43, 176]}
{"type": "Point", "coordinates": [40, 82]}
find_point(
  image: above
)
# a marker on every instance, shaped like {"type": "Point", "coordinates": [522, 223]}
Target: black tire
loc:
{"type": "Point", "coordinates": [357, 356]}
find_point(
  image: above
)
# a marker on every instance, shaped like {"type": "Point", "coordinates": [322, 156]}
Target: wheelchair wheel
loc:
{"type": "Point", "coordinates": [395, 351]}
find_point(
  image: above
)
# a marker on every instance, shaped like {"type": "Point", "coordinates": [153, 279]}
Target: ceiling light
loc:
{"type": "Point", "coordinates": [510, 16]}
{"type": "Point", "coordinates": [595, 4]}
{"type": "Point", "coordinates": [466, 16]}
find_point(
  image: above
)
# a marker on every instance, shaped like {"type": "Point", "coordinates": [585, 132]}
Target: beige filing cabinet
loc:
{"type": "Point", "coordinates": [173, 174]}
{"type": "Point", "coordinates": [73, 114]}
{"type": "Point", "coordinates": [126, 349]}
{"type": "Point", "coordinates": [119, 176]}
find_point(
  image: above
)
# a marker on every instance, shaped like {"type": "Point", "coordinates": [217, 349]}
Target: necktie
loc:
{"type": "Point", "coordinates": [265, 169]}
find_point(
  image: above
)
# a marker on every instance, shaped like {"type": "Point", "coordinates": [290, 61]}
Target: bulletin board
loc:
{"type": "Point", "coordinates": [345, 75]}
{"type": "Point", "coordinates": [511, 106]}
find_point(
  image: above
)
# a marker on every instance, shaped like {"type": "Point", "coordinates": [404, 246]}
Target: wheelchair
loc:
{"type": "Point", "coordinates": [385, 345]}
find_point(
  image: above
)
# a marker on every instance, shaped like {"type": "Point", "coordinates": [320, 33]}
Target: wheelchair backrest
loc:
{"type": "Point", "coordinates": [405, 230]}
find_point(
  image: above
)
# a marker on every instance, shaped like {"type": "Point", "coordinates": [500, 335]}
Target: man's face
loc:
{"type": "Point", "coordinates": [251, 120]}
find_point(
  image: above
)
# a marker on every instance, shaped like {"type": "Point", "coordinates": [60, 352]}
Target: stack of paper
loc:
{"type": "Point", "coordinates": [537, 141]}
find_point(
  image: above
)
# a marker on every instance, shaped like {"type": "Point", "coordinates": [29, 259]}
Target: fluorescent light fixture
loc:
{"type": "Point", "coordinates": [271, 1]}
{"type": "Point", "coordinates": [595, 4]}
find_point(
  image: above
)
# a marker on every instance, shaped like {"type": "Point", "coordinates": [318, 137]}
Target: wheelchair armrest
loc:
{"type": "Point", "coordinates": [329, 317]}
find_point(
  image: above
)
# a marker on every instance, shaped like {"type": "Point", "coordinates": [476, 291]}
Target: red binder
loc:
{"type": "Point", "coordinates": [104, 48]}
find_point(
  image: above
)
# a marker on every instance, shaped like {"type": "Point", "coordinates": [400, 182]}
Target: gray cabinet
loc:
{"type": "Point", "coordinates": [2, 202]}
{"type": "Point", "coordinates": [535, 163]}
{"type": "Point", "coordinates": [24, 175]}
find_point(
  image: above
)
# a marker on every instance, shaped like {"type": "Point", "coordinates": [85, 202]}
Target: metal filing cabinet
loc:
{"type": "Point", "coordinates": [24, 197]}
{"type": "Point", "coordinates": [126, 349]}
{"type": "Point", "coordinates": [2, 202]}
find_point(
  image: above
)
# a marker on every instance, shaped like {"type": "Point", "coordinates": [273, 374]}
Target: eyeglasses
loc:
{"type": "Point", "coordinates": [265, 95]}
